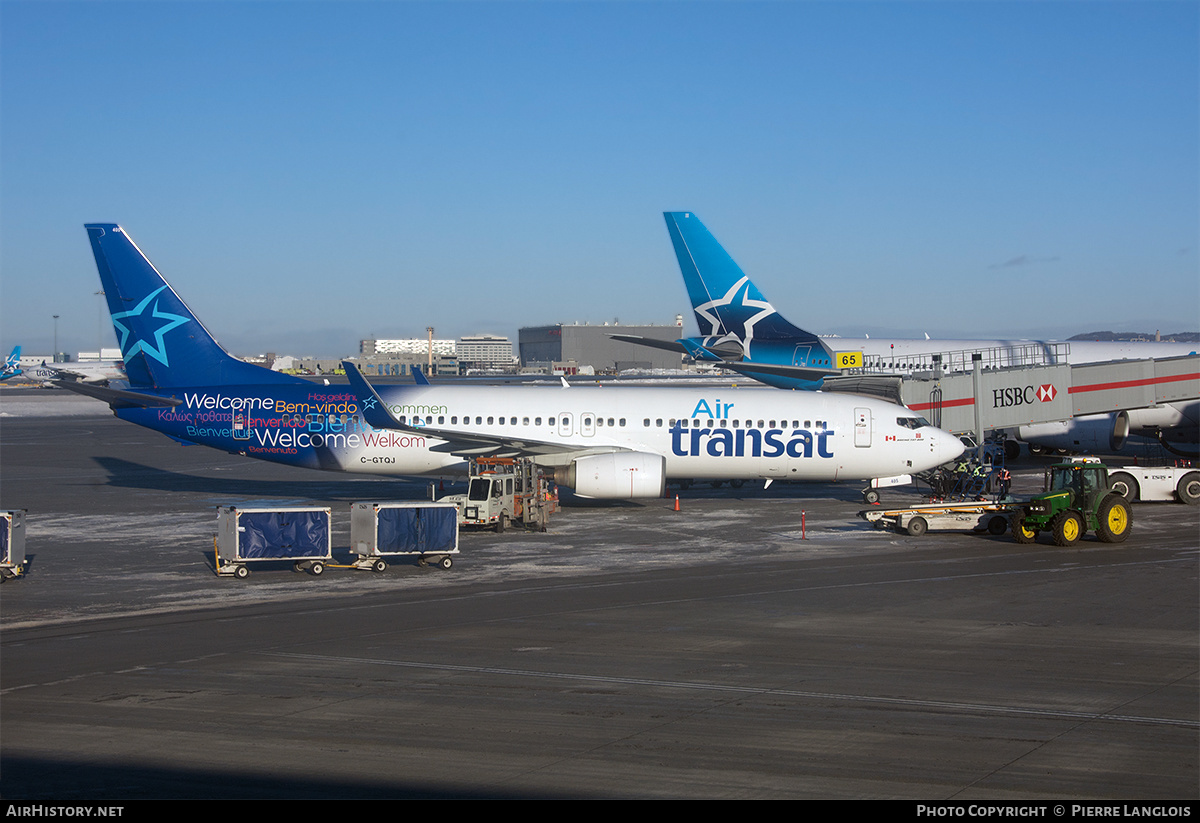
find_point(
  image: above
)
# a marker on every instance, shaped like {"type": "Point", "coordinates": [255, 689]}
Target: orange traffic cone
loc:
{"type": "Point", "coordinates": [676, 502]}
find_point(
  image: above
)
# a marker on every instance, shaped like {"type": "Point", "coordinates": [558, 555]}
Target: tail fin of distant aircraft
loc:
{"type": "Point", "coordinates": [726, 302]}
{"type": "Point", "coordinates": [162, 343]}
{"type": "Point", "coordinates": [11, 369]}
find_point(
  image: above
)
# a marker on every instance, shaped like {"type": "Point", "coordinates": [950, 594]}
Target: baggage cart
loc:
{"type": "Point", "coordinates": [427, 531]}
{"type": "Point", "coordinates": [245, 535]}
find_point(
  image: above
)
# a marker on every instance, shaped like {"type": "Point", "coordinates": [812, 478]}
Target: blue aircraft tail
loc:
{"type": "Point", "coordinates": [724, 299]}
{"type": "Point", "coordinates": [162, 342]}
{"type": "Point", "coordinates": [11, 369]}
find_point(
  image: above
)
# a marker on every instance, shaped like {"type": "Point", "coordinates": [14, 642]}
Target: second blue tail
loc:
{"type": "Point", "coordinates": [726, 302]}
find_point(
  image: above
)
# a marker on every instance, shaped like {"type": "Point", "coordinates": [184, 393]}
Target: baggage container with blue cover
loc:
{"type": "Point", "coordinates": [428, 531]}
{"type": "Point", "coordinates": [302, 535]}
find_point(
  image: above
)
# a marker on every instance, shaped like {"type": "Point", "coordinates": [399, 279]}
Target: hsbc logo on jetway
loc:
{"type": "Point", "coordinates": [1023, 395]}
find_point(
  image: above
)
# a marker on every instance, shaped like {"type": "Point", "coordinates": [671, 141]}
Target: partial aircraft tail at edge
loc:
{"type": "Point", "coordinates": [11, 365]}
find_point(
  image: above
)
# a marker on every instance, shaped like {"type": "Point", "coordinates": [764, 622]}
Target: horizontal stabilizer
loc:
{"type": "Point", "coordinates": [770, 370]}
{"type": "Point", "coordinates": [117, 398]}
{"type": "Point", "coordinates": [637, 340]}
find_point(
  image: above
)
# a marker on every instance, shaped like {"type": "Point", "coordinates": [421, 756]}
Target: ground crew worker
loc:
{"type": "Point", "coordinates": [1005, 478]}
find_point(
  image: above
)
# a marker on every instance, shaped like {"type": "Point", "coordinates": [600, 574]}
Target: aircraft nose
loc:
{"type": "Point", "coordinates": [949, 446]}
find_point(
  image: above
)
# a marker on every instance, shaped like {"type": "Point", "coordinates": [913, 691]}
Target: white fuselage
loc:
{"type": "Point", "coordinates": [725, 433]}
{"type": "Point", "coordinates": [907, 355]}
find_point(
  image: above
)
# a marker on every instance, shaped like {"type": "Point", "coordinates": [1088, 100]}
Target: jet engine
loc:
{"type": "Point", "coordinates": [615, 475]}
{"type": "Point", "coordinates": [1096, 432]}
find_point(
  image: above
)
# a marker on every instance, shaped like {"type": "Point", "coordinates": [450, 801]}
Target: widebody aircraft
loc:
{"type": "Point", "coordinates": [1175, 426]}
{"type": "Point", "coordinates": [603, 441]}
{"type": "Point", "coordinates": [11, 366]}
{"type": "Point", "coordinates": [100, 371]}
{"type": "Point", "coordinates": [743, 332]}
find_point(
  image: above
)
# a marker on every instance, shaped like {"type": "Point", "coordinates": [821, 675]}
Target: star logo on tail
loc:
{"type": "Point", "coordinates": [734, 314]}
{"type": "Point", "coordinates": [158, 349]}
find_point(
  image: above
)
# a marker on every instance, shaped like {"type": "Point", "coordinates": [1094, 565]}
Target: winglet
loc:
{"type": "Point", "coordinates": [419, 376]}
{"type": "Point", "coordinates": [374, 410]}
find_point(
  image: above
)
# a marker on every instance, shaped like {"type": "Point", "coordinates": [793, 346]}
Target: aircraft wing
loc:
{"type": "Point", "coordinates": [463, 444]}
{"type": "Point", "coordinates": [751, 369]}
{"type": "Point", "coordinates": [884, 386]}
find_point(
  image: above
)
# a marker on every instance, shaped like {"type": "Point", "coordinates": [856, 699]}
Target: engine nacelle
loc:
{"type": "Point", "coordinates": [616, 475]}
{"type": "Point", "coordinates": [1095, 432]}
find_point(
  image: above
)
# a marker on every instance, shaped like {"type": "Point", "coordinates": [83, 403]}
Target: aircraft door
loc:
{"type": "Point", "coordinates": [862, 428]}
{"type": "Point", "coordinates": [241, 431]}
{"type": "Point", "coordinates": [800, 356]}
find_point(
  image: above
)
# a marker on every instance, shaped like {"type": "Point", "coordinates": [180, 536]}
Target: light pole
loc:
{"type": "Point", "coordinates": [54, 354]}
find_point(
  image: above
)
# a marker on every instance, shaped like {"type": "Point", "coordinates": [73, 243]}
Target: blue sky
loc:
{"type": "Point", "coordinates": [307, 174]}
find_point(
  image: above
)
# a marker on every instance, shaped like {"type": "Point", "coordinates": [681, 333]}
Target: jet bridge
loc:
{"type": "Point", "coordinates": [989, 398]}
{"type": "Point", "coordinates": [1003, 398]}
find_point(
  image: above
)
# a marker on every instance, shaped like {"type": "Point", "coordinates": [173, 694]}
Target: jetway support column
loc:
{"type": "Point", "coordinates": [976, 375]}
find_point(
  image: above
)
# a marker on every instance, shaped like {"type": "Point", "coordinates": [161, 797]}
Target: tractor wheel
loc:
{"type": "Point", "coordinates": [1067, 528]}
{"type": "Point", "coordinates": [1021, 532]}
{"type": "Point", "coordinates": [1115, 519]}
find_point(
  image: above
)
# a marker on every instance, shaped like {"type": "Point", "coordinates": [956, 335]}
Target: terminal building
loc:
{"type": "Point", "coordinates": [410, 345]}
{"type": "Point", "coordinates": [548, 348]}
{"type": "Point", "coordinates": [438, 357]}
{"type": "Point", "coordinates": [485, 353]}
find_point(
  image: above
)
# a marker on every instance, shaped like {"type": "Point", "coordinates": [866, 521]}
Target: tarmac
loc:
{"type": "Point", "coordinates": [755, 644]}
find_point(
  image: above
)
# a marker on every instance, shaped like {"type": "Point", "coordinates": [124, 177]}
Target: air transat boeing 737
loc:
{"type": "Point", "coordinates": [605, 442]}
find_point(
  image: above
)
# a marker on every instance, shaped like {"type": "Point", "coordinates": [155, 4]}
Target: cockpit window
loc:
{"type": "Point", "coordinates": [912, 422]}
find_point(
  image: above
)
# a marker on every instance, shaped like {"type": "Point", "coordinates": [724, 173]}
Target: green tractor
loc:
{"type": "Point", "coordinates": [1077, 498]}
